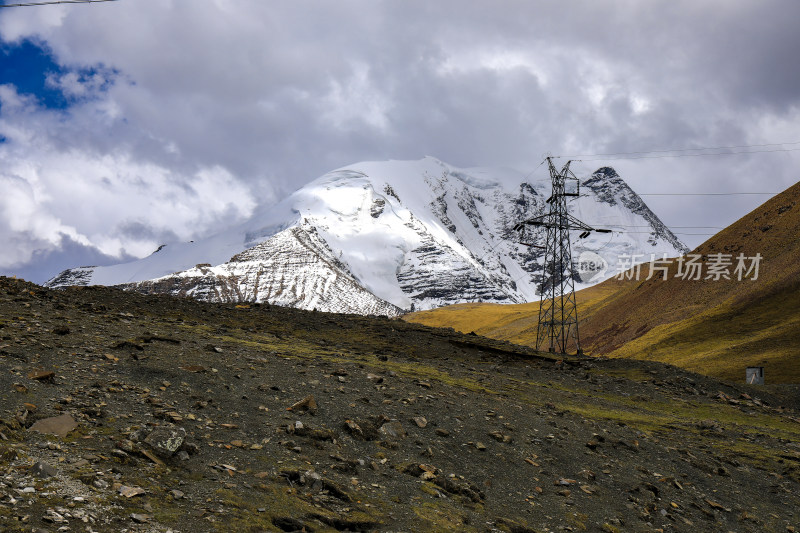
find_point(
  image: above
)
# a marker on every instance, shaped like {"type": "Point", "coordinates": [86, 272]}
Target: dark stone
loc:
{"type": "Point", "coordinates": [43, 470]}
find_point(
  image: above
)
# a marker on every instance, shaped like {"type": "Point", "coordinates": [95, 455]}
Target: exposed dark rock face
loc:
{"type": "Point", "coordinates": [611, 189]}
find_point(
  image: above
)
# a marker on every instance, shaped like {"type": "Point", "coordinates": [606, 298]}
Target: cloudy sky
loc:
{"type": "Point", "coordinates": [128, 124]}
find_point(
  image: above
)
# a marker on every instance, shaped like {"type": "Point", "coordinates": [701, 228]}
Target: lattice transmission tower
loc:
{"type": "Point", "coordinates": [558, 312]}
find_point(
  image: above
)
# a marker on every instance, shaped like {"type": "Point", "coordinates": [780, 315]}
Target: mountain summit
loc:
{"type": "Point", "coordinates": [387, 237]}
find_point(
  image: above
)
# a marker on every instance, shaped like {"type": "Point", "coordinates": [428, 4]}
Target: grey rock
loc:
{"type": "Point", "coordinates": [165, 441]}
{"type": "Point", "coordinates": [43, 470]}
{"type": "Point", "coordinates": [141, 518]}
{"type": "Point", "coordinates": [392, 430]}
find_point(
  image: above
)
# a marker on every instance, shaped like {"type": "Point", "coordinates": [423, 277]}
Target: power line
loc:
{"type": "Point", "coordinates": [700, 193]}
{"type": "Point", "coordinates": [673, 232]}
{"type": "Point", "coordinates": [498, 243]}
{"type": "Point", "coordinates": [687, 150]}
{"type": "Point", "coordinates": [686, 155]}
{"type": "Point", "coordinates": [682, 227]}
{"type": "Point", "coordinates": [29, 4]}
{"type": "Point", "coordinates": [534, 170]}
{"type": "Point", "coordinates": [696, 194]}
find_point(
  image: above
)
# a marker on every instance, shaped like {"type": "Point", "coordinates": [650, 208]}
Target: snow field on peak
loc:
{"type": "Point", "coordinates": [394, 233]}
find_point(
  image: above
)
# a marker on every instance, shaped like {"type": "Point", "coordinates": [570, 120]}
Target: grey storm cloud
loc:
{"type": "Point", "coordinates": [199, 112]}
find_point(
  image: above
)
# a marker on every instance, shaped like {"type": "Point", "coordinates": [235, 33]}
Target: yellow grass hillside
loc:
{"type": "Point", "coordinates": [513, 323]}
{"type": "Point", "coordinates": [716, 327]}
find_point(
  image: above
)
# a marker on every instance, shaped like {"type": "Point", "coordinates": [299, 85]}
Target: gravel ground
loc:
{"type": "Point", "coordinates": [124, 412]}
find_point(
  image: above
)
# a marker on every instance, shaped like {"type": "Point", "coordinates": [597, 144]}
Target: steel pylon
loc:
{"type": "Point", "coordinates": [558, 312]}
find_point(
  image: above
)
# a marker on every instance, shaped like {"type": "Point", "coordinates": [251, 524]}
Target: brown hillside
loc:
{"type": "Point", "coordinates": [717, 327]}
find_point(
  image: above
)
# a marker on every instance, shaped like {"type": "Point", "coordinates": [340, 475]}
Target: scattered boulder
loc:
{"type": "Point", "coordinates": [130, 492]}
{"type": "Point", "coordinates": [500, 437]}
{"type": "Point", "coordinates": [354, 429]}
{"type": "Point", "coordinates": [57, 425]}
{"type": "Point", "coordinates": [302, 430]}
{"type": "Point", "coordinates": [306, 404]}
{"type": "Point", "coordinates": [461, 487]}
{"type": "Point", "coordinates": [141, 518]}
{"type": "Point", "coordinates": [165, 441]}
{"type": "Point", "coordinates": [420, 421]}
{"type": "Point", "coordinates": [709, 424]}
{"type": "Point", "coordinates": [41, 375]}
{"type": "Point", "coordinates": [43, 470]}
{"type": "Point", "coordinates": [392, 430]}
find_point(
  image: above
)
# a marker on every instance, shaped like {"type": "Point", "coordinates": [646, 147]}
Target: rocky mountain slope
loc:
{"type": "Point", "coordinates": [712, 325]}
{"type": "Point", "coordinates": [126, 412]}
{"type": "Point", "coordinates": [412, 234]}
{"type": "Point", "coordinates": [311, 277]}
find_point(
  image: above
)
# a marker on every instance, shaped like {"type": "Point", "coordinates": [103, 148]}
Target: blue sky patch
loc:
{"type": "Point", "coordinates": [31, 68]}
{"type": "Point", "coordinates": [27, 66]}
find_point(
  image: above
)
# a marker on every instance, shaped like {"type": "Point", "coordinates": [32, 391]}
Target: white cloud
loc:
{"type": "Point", "coordinates": [355, 103]}
{"type": "Point", "coordinates": [499, 60]}
{"type": "Point", "coordinates": [52, 191]}
{"type": "Point", "coordinates": [77, 85]}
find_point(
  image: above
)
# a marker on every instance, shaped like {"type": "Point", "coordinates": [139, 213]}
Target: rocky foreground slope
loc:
{"type": "Point", "coordinates": [125, 412]}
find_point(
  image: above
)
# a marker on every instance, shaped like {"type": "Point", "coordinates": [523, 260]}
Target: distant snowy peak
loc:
{"type": "Point", "coordinates": [294, 268]}
{"type": "Point", "coordinates": [610, 188]}
{"type": "Point", "coordinates": [381, 237]}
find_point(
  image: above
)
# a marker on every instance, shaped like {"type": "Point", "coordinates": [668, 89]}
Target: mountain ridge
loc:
{"type": "Point", "coordinates": [414, 234]}
{"type": "Point", "coordinates": [246, 278]}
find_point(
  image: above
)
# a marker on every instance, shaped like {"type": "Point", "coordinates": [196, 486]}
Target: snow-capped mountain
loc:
{"type": "Point", "coordinates": [383, 237]}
